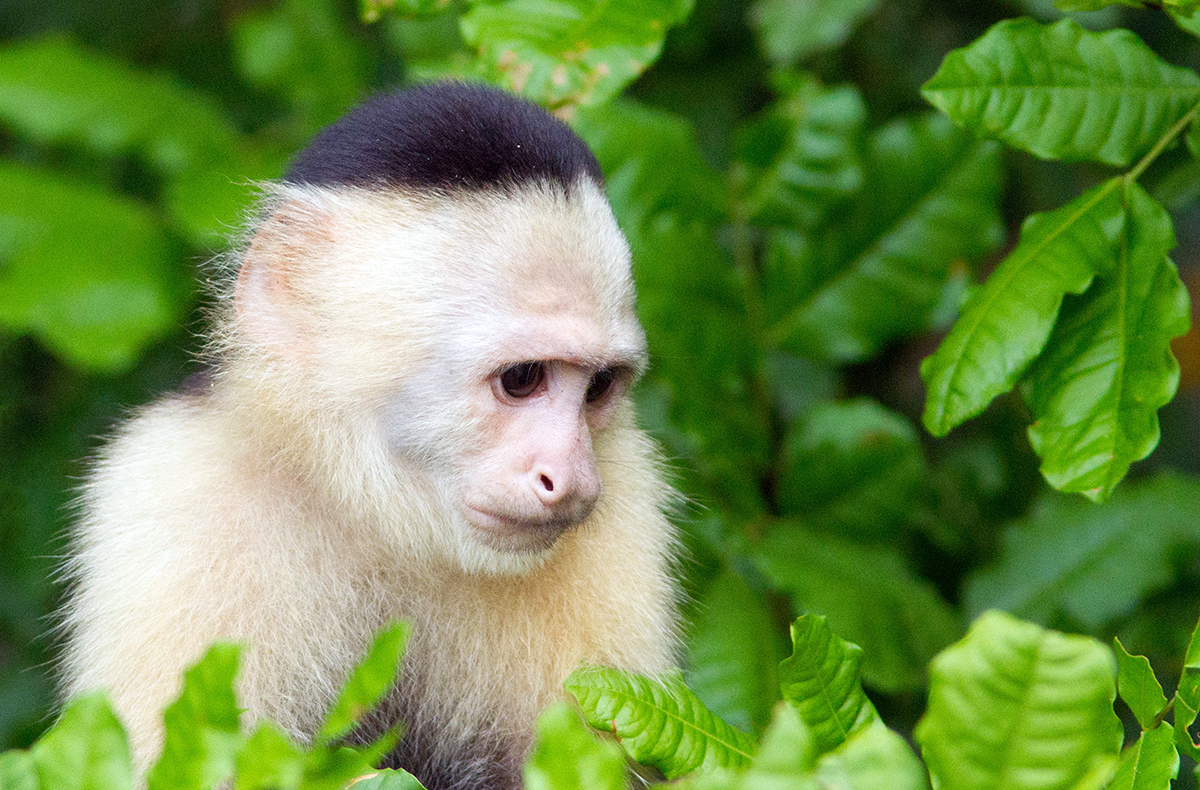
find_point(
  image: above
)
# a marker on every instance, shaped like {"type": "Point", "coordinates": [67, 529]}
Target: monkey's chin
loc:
{"type": "Point", "coordinates": [513, 536]}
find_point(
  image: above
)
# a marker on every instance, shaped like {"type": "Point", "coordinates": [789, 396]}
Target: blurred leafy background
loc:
{"type": "Point", "coordinates": [804, 228]}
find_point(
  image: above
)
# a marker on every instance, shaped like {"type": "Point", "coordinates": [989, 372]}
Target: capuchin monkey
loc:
{"type": "Point", "coordinates": [417, 408]}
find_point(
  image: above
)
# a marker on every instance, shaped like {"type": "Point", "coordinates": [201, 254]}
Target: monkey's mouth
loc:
{"type": "Point", "coordinates": [504, 532]}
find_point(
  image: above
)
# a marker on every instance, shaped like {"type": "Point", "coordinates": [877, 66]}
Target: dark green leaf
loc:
{"type": "Point", "coordinates": [852, 467]}
{"type": "Point", "coordinates": [1005, 324]}
{"type": "Point", "coordinates": [202, 737]}
{"type": "Point", "coordinates": [369, 681]}
{"type": "Point", "coordinates": [1107, 368]}
{"type": "Point", "coordinates": [88, 272]}
{"type": "Point", "coordinates": [1093, 563]}
{"type": "Point", "coordinates": [878, 272]}
{"type": "Point", "coordinates": [391, 779]}
{"type": "Point", "coordinates": [370, 10]}
{"type": "Point", "coordinates": [1062, 92]}
{"type": "Point", "coordinates": [1138, 687]}
{"type": "Point", "coordinates": [86, 749]}
{"type": "Point", "coordinates": [802, 154]}
{"type": "Point", "coordinates": [659, 722]}
{"type": "Point", "coordinates": [568, 756]}
{"type": "Point", "coordinates": [1149, 764]}
{"type": "Point", "coordinates": [569, 52]}
{"type": "Point", "coordinates": [734, 650]}
{"type": "Point", "coordinates": [791, 30]}
{"type": "Point", "coordinates": [870, 597]}
{"type": "Point", "coordinates": [820, 679]}
{"type": "Point", "coordinates": [1014, 700]}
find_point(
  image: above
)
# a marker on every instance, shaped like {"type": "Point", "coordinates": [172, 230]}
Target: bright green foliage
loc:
{"type": "Point", "coordinates": [880, 269]}
{"type": "Point", "coordinates": [874, 758]}
{"type": "Point", "coordinates": [852, 468]}
{"type": "Point", "coordinates": [1185, 717]}
{"type": "Point", "coordinates": [1013, 705]}
{"type": "Point", "coordinates": [1149, 764]}
{"type": "Point", "coordinates": [1107, 367]}
{"type": "Point", "coordinates": [388, 780]}
{"type": "Point", "coordinates": [1061, 92]}
{"type": "Point", "coordinates": [368, 683]}
{"type": "Point", "coordinates": [820, 679]}
{"type": "Point", "coordinates": [791, 30]}
{"type": "Point", "coordinates": [1093, 564]}
{"type": "Point", "coordinates": [659, 722]}
{"type": "Point", "coordinates": [568, 52]}
{"type": "Point", "coordinates": [202, 736]}
{"type": "Point", "coordinates": [735, 649]}
{"type": "Point", "coordinates": [1138, 687]}
{"type": "Point", "coordinates": [869, 596]}
{"type": "Point", "coordinates": [785, 759]}
{"type": "Point", "coordinates": [802, 154]}
{"type": "Point", "coordinates": [567, 755]}
{"type": "Point", "coordinates": [269, 759]}
{"type": "Point", "coordinates": [91, 273]}
{"type": "Point", "coordinates": [86, 750]}
{"type": "Point", "coordinates": [1006, 323]}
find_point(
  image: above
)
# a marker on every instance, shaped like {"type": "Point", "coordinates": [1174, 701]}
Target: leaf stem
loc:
{"type": "Point", "coordinates": [1161, 145]}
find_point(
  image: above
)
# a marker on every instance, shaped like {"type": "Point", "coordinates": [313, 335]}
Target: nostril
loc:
{"type": "Point", "coordinates": [547, 483]}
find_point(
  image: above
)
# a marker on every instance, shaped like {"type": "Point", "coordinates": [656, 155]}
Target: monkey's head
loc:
{"type": "Point", "coordinates": [441, 297]}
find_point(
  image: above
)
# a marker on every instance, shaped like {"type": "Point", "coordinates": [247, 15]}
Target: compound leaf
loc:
{"type": "Point", "coordinates": [1062, 92]}
{"type": "Point", "coordinates": [1013, 704]}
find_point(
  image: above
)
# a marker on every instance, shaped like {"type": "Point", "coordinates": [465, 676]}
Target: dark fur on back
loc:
{"type": "Point", "coordinates": [447, 135]}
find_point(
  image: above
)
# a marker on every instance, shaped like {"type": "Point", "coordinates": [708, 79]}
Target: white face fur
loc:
{"type": "Point", "coordinates": [491, 338]}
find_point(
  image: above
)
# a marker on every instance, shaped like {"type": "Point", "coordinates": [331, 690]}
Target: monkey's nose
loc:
{"type": "Point", "coordinates": [579, 488]}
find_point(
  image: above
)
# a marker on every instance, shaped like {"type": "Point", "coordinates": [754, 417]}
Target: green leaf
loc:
{"type": "Point", "coordinates": [1093, 563]}
{"type": "Point", "coordinates": [1138, 686]}
{"type": "Point", "coordinates": [18, 771]}
{"type": "Point", "coordinates": [791, 30]}
{"type": "Point", "coordinates": [851, 467]}
{"type": "Point", "coordinates": [820, 679]}
{"type": "Point", "coordinates": [568, 756]}
{"type": "Point", "coordinates": [1185, 717]}
{"type": "Point", "coordinates": [734, 651]}
{"type": "Point", "coordinates": [1005, 323]}
{"type": "Point", "coordinates": [269, 760]}
{"type": "Point", "coordinates": [92, 274]}
{"type": "Point", "coordinates": [802, 154]}
{"type": "Point", "coordinates": [369, 681]}
{"type": "Point", "coordinates": [1062, 92]}
{"type": "Point", "coordinates": [202, 736]}
{"type": "Point", "coordinates": [371, 10]}
{"type": "Point", "coordinates": [874, 758]}
{"type": "Point", "coordinates": [1189, 681]}
{"type": "Point", "coordinates": [1149, 764]}
{"type": "Point", "coordinates": [659, 722]}
{"type": "Point", "coordinates": [86, 749]}
{"type": "Point", "coordinates": [569, 52]}
{"type": "Point", "coordinates": [879, 271]}
{"type": "Point", "coordinates": [870, 597]}
{"type": "Point", "coordinates": [1094, 5]}
{"type": "Point", "coordinates": [390, 779]}
{"type": "Point", "coordinates": [55, 91]}
{"type": "Point", "coordinates": [1015, 705]}
{"type": "Point", "coordinates": [1107, 368]}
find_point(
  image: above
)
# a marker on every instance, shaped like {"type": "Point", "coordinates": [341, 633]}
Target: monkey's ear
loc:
{"type": "Point", "coordinates": [269, 295]}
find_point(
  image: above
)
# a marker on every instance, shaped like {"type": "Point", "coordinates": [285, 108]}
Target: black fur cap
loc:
{"type": "Point", "coordinates": [446, 135]}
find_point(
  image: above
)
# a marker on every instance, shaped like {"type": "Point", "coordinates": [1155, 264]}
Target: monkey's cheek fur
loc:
{"type": "Point", "coordinates": [516, 535]}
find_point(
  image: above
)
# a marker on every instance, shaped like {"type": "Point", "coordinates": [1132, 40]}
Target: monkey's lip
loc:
{"type": "Point", "coordinates": [512, 533]}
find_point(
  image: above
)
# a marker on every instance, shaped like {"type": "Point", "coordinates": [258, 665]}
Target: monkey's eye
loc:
{"type": "Point", "coordinates": [599, 386]}
{"type": "Point", "coordinates": [521, 381]}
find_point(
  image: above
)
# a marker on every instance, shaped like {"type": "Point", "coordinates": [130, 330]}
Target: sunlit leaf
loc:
{"type": "Point", "coordinates": [18, 771]}
{"type": "Point", "coordinates": [1185, 717]}
{"type": "Point", "coordinates": [659, 722]}
{"type": "Point", "coordinates": [877, 272]}
{"type": "Point", "coordinates": [1138, 686]}
{"type": "Point", "coordinates": [202, 735]}
{"type": "Point", "coordinates": [1149, 764]}
{"type": "Point", "coordinates": [802, 154]}
{"type": "Point", "coordinates": [734, 651]}
{"type": "Point", "coordinates": [791, 30]}
{"type": "Point", "coordinates": [1005, 323]}
{"type": "Point", "coordinates": [1093, 563]}
{"type": "Point", "coordinates": [86, 749]}
{"type": "Point", "coordinates": [1015, 705]}
{"type": "Point", "coordinates": [569, 52]}
{"type": "Point", "coordinates": [567, 755]}
{"type": "Point", "coordinates": [869, 596]}
{"type": "Point", "coordinates": [269, 760]}
{"type": "Point", "coordinates": [874, 758]}
{"type": "Point", "coordinates": [1107, 368]}
{"type": "Point", "coordinates": [391, 779]}
{"type": "Point", "coordinates": [369, 681]}
{"type": "Point", "coordinates": [1062, 92]}
{"type": "Point", "coordinates": [1189, 681]}
{"type": "Point", "coordinates": [90, 273]}
{"type": "Point", "coordinates": [821, 680]}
